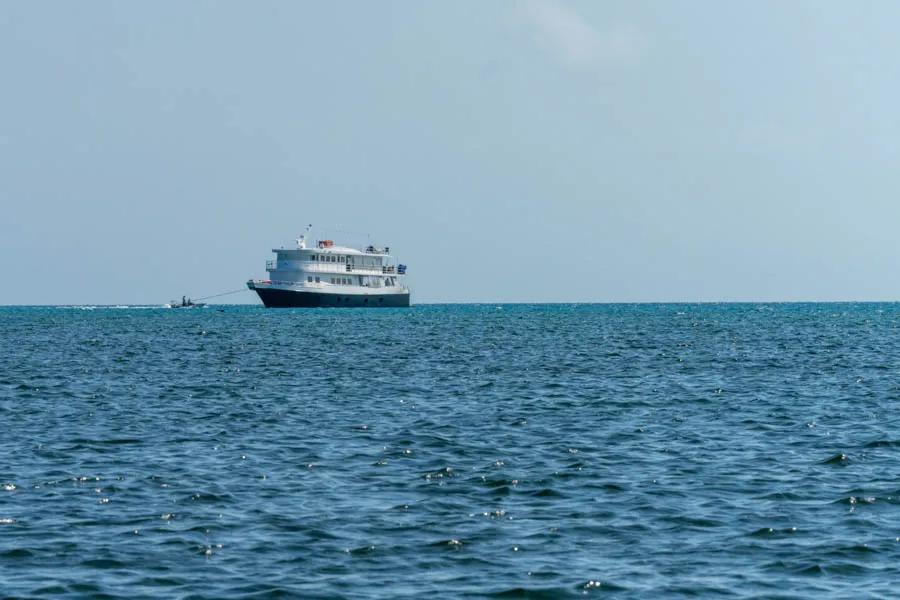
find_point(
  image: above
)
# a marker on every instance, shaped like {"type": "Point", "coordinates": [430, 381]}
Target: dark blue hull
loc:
{"type": "Point", "coordinates": [296, 299]}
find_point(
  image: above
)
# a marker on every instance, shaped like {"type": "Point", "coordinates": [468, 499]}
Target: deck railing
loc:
{"type": "Point", "coordinates": [386, 270]}
{"type": "Point", "coordinates": [322, 284]}
{"type": "Point", "coordinates": [328, 267]}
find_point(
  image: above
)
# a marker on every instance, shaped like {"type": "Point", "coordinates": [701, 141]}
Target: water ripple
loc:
{"type": "Point", "coordinates": [515, 451]}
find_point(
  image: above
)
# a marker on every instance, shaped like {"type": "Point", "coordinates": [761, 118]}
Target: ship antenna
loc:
{"type": "Point", "coordinates": [301, 241]}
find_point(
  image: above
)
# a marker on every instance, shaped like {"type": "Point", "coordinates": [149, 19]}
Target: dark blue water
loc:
{"type": "Point", "coordinates": [469, 451]}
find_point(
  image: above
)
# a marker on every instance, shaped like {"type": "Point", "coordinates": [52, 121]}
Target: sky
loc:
{"type": "Point", "coordinates": [531, 151]}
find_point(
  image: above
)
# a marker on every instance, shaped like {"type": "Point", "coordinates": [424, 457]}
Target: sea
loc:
{"type": "Point", "coordinates": [457, 451]}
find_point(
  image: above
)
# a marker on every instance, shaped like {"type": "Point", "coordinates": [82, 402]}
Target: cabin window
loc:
{"type": "Point", "coordinates": [318, 280]}
{"type": "Point", "coordinates": [342, 258]}
{"type": "Point", "coordinates": [334, 259]}
{"type": "Point", "coordinates": [309, 279]}
{"type": "Point", "coordinates": [312, 257]}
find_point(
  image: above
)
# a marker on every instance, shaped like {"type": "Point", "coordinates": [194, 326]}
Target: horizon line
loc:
{"type": "Point", "coordinates": [486, 302]}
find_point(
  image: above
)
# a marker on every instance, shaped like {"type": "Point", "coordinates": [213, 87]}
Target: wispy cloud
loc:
{"type": "Point", "coordinates": [579, 44]}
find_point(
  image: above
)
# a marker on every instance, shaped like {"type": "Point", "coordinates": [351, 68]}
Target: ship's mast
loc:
{"type": "Point", "coordinates": [301, 241]}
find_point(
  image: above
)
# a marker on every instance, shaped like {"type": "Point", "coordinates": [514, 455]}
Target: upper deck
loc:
{"type": "Point", "coordinates": [328, 258]}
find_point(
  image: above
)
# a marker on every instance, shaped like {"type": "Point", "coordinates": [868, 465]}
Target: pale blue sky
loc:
{"type": "Point", "coordinates": [508, 151]}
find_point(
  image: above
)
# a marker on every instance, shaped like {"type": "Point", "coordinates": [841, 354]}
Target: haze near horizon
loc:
{"type": "Point", "coordinates": [507, 152]}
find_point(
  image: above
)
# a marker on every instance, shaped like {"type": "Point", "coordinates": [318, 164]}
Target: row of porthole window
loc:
{"type": "Point", "coordinates": [365, 300]}
{"type": "Point", "coordinates": [328, 258]}
{"type": "Point", "coordinates": [333, 280]}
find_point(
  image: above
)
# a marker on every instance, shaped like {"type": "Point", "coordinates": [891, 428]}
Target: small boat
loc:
{"type": "Point", "coordinates": [185, 303]}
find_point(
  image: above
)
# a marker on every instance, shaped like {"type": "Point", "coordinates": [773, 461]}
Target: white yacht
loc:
{"type": "Point", "coordinates": [330, 275]}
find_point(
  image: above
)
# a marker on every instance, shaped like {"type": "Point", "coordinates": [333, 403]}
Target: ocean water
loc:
{"type": "Point", "coordinates": [534, 451]}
